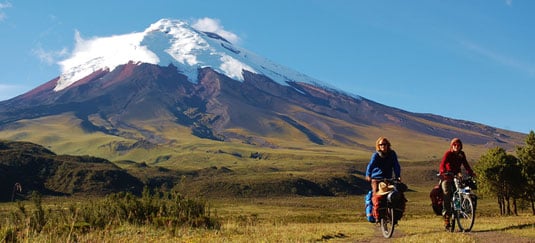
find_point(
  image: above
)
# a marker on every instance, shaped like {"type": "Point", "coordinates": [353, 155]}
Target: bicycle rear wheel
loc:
{"type": "Point", "coordinates": [466, 216]}
{"type": "Point", "coordinates": [387, 223]}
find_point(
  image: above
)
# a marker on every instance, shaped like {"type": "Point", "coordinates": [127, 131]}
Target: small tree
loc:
{"type": "Point", "coordinates": [526, 156]}
{"type": "Point", "coordinates": [500, 175]}
{"type": "Point", "coordinates": [513, 181]}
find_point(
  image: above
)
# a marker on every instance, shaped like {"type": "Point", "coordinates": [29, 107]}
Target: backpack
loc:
{"type": "Point", "coordinates": [437, 199]}
{"type": "Point", "coordinates": [369, 207]}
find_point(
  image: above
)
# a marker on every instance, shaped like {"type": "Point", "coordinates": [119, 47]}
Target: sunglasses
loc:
{"type": "Point", "coordinates": [383, 144]}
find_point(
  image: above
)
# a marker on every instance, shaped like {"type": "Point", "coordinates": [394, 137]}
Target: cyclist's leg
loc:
{"type": "Point", "coordinates": [379, 205]}
{"type": "Point", "coordinates": [375, 185]}
{"type": "Point", "coordinates": [447, 188]}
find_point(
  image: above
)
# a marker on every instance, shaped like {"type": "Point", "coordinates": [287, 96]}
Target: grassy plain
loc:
{"type": "Point", "coordinates": [307, 219]}
{"type": "Point", "coordinates": [341, 219]}
{"type": "Point", "coordinates": [276, 219]}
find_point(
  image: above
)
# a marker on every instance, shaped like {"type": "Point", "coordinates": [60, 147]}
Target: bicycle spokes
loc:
{"type": "Point", "coordinates": [465, 216]}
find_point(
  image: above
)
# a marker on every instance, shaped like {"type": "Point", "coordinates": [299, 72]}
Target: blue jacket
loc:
{"type": "Point", "coordinates": [380, 168]}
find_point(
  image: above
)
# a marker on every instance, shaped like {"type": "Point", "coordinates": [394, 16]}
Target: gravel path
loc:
{"type": "Point", "coordinates": [479, 236]}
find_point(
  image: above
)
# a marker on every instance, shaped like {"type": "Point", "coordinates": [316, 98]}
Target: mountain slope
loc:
{"type": "Point", "coordinates": [181, 84]}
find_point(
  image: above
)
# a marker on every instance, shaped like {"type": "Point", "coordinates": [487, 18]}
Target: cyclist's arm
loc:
{"type": "Point", "coordinates": [397, 167]}
{"type": "Point", "coordinates": [371, 166]}
{"type": "Point", "coordinates": [442, 168]}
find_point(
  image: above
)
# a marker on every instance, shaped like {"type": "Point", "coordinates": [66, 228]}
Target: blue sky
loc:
{"type": "Point", "coordinates": [471, 60]}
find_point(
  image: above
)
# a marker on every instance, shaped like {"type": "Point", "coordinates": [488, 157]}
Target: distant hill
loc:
{"type": "Point", "coordinates": [26, 167]}
{"type": "Point", "coordinates": [35, 168]}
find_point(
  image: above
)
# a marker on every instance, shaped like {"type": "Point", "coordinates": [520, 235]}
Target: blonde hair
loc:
{"type": "Point", "coordinates": [382, 139]}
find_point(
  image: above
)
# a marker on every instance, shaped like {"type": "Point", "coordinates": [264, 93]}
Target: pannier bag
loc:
{"type": "Point", "coordinates": [469, 183]}
{"type": "Point", "coordinates": [398, 201]}
{"type": "Point", "coordinates": [402, 187]}
{"type": "Point", "coordinates": [369, 207]}
{"type": "Point", "coordinates": [437, 199]}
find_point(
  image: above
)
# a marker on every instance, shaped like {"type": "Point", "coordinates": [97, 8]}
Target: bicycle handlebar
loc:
{"type": "Point", "coordinates": [391, 180]}
{"type": "Point", "coordinates": [454, 175]}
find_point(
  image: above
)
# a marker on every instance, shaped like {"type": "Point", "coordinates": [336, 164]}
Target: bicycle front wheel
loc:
{"type": "Point", "coordinates": [387, 223]}
{"type": "Point", "coordinates": [466, 215]}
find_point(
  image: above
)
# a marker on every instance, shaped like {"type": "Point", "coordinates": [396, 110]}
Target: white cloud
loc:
{"type": "Point", "coordinates": [49, 57]}
{"type": "Point", "coordinates": [509, 2]}
{"type": "Point", "coordinates": [214, 26]}
{"type": "Point", "coordinates": [90, 55]}
{"type": "Point", "coordinates": [500, 58]}
{"type": "Point", "coordinates": [114, 50]}
{"type": "Point", "coordinates": [3, 6]}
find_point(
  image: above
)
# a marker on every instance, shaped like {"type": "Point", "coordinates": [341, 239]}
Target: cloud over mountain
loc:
{"type": "Point", "coordinates": [214, 26]}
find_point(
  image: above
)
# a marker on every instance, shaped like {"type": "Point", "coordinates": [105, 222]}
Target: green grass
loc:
{"type": "Point", "coordinates": [308, 219]}
{"type": "Point", "coordinates": [293, 219]}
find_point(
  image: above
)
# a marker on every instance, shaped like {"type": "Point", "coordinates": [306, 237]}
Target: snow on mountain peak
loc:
{"type": "Point", "coordinates": [102, 53]}
{"type": "Point", "coordinates": [174, 41]}
{"type": "Point", "coordinates": [170, 42]}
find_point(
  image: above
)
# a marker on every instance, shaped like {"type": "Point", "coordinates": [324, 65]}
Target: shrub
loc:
{"type": "Point", "coordinates": [151, 209]}
{"type": "Point", "coordinates": [169, 207]}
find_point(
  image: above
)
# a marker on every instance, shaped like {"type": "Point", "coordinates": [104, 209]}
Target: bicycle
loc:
{"type": "Point", "coordinates": [392, 208]}
{"type": "Point", "coordinates": [463, 203]}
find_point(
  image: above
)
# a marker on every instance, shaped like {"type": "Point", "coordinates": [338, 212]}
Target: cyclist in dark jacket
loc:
{"type": "Point", "coordinates": [449, 167]}
{"type": "Point", "coordinates": [383, 162]}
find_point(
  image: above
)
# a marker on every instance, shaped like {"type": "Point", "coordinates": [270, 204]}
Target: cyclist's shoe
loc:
{"type": "Point", "coordinates": [447, 225]}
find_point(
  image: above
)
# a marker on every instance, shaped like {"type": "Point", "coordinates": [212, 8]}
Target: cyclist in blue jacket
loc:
{"type": "Point", "coordinates": [383, 162]}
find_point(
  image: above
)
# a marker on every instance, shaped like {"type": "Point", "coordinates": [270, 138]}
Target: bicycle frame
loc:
{"type": "Point", "coordinates": [462, 206]}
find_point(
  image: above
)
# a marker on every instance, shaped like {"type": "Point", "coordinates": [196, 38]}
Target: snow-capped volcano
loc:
{"type": "Point", "coordinates": [171, 42]}
{"type": "Point", "coordinates": [172, 81]}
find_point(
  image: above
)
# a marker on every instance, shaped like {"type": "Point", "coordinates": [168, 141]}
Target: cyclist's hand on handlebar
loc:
{"type": "Point", "coordinates": [368, 178]}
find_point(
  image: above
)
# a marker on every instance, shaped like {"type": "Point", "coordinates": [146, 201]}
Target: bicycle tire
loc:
{"type": "Point", "coordinates": [387, 223]}
{"type": "Point", "coordinates": [466, 215]}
